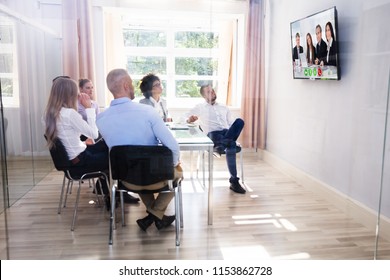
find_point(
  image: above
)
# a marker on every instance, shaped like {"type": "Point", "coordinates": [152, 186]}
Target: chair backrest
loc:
{"type": "Point", "coordinates": [60, 156]}
{"type": "Point", "coordinates": [141, 165]}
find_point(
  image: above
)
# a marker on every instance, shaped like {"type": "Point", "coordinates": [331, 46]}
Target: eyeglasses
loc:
{"type": "Point", "coordinates": [157, 85]}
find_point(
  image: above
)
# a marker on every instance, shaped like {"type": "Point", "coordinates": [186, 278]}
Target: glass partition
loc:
{"type": "Point", "coordinates": [3, 186]}
{"type": "Point", "coordinates": [383, 224]}
{"type": "Point", "coordinates": [27, 56]}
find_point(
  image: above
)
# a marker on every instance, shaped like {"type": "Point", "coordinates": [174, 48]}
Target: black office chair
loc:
{"type": "Point", "coordinates": [144, 165]}
{"type": "Point", "coordinates": [62, 163]}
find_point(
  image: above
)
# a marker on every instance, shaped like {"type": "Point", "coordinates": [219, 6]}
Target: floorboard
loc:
{"type": "Point", "coordinates": [276, 219]}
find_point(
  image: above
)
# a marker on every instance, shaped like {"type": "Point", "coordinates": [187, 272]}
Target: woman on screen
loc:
{"type": "Point", "coordinates": [310, 50]}
{"type": "Point", "coordinates": [331, 50]}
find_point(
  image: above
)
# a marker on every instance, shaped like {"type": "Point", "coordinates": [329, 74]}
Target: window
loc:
{"type": "Point", "coordinates": [9, 85]}
{"type": "Point", "coordinates": [184, 53]}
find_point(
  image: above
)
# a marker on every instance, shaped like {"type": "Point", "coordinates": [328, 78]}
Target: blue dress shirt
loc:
{"type": "Point", "coordinates": [129, 123]}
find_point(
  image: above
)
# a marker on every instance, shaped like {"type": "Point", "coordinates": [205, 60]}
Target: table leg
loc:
{"type": "Point", "coordinates": [210, 196]}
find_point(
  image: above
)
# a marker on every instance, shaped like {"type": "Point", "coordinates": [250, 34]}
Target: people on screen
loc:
{"type": "Point", "coordinates": [331, 48]}
{"type": "Point", "coordinates": [320, 46]}
{"type": "Point", "coordinates": [152, 88]}
{"type": "Point", "coordinates": [310, 50]}
{"type": "Point", "coordinates": [297, 49]}
{"type": "Point", "coordinates": [129, 123]}
{"type": "Point", "coordinates": [216, 121]}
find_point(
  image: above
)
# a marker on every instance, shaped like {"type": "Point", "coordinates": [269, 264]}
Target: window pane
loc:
{"type": "Point", "coordinates": [6, 63]}
{"type": "Point", "coordinates": [190, 88]}
{"type": "Point", "coordinates": [6, 34]}
{"type": "Point", "coordinates": [203, 40]}
{"type": "Point", "coordinates": [144, 38]}
{"type": "Point", "coordinates": [196, 66]}
{"type": "Point", "coordinates": [6, 87]}
{"type": "Point", "coordinates": [142, 65]}
{"type": "Point", "coordinates": [138, 93]}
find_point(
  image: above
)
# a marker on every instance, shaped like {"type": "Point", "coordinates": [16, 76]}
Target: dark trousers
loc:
{"type": "Point", "coordinates": [227, 138]}
{"type": "Point", "coordinates": [94, 158]}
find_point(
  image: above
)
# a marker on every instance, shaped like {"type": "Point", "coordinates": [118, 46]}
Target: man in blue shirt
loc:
{"type": "Point", "coordinates": [129, 123]}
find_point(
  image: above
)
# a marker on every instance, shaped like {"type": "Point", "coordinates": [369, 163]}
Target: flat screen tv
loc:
{"type": "Point", "coordinates": [314, 45]}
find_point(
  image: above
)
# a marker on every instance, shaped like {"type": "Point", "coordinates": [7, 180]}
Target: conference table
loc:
{"type": "Point", "coordinates": [191, 138]}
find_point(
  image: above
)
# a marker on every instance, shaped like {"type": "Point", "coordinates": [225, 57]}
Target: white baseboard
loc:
{"type": "Point", "coordinates": [351, 207]}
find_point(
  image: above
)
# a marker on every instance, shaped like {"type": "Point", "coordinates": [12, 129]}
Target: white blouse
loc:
{"type": "Point", "coordinates": [70, 126]}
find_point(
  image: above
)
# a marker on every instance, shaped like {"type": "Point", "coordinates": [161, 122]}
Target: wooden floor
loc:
{"type": "Point", "coordinates": [275, 219]}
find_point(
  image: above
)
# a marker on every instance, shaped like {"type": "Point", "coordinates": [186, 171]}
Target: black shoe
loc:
{"type": "Point", "coordinates": [144, 223]}
{"type": "Point", "coordinates": [236, 187]}
{"type": "Point", "coordinates": [165, 222]}
{"type": "Point", "coordinates": [219, 150]}
{"type": "Point", "coordinates": [129, 199]}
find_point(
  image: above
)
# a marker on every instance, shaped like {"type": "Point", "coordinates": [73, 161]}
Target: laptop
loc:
{"type": "Point", "coordinates": [176, 126]}
{"type": "Point", "coordinates": [302, 57]}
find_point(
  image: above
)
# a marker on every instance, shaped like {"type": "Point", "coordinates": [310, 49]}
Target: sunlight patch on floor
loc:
{"type": "Point", "coordinates": [275, 219]}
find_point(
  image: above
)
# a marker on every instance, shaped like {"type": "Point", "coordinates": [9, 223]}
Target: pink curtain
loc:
{"type": "Point", "coordinates": [253, 97]}
{"type": "Point", "coordinates": [78, 55]}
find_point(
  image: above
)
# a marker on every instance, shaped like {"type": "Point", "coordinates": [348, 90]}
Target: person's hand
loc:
{"type": "Point", "coordinates": [89, 141]}
{"type": "Point", "coordinates": [178, 172]}
{"type": "Point", "coordinates": [85, 100]}
{"type": "Point", "coordinates": [169, 120]}
{"type": "Point", "coordinates": [192, 119]}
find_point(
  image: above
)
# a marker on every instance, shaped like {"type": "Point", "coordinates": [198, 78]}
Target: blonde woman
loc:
{"type": "Point", "coordinates": [62, 121]}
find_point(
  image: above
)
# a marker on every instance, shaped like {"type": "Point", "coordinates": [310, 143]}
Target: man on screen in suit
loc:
{"type": "Point", "coordinates": [320, 46]}
{"type": "Point", "coordinates": [298, 48]}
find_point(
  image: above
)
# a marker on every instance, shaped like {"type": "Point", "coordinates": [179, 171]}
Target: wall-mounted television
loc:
{"type": "Point", "coordinates": [314, 45]}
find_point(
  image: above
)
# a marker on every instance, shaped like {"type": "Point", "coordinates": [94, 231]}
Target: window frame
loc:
{"type": "Point", "coordinates": [170, 52]}
{"type": "Point", "coordinates": [10, 48]}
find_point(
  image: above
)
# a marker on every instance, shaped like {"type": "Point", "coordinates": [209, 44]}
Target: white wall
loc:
{"type": "Point", "coordinates": [333, 130]}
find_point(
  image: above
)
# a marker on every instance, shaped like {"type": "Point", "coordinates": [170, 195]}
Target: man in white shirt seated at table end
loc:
{"type": "Point", "coordinates": [216, 121]}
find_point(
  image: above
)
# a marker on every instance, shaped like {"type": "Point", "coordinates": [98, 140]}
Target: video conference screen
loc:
{"type": "Point", "coordinates": [314, 46]}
